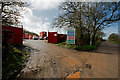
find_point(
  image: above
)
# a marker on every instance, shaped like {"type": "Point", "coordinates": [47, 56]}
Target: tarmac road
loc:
{"type": "Point", "coordinates": [107, 48]}
{"type": "Point", "coordinates": [52, 61]}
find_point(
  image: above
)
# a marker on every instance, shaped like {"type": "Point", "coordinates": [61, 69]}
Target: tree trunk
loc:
{"type": "Point", "coordinates": [93, 38]}
{"type": "Point", "coordinates": [77, 36]}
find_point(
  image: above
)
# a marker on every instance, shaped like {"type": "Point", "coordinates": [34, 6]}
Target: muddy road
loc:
{"type": "Point", "coordinates": [52, 61]}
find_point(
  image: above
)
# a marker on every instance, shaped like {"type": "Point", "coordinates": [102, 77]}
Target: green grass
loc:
{"type": "Point", "coordinates": [87, 47]}
{"type": "Point", "coordinates": [61, 44]}
{"type": "Point", "coordinates": [13, 59]}
{"type": "Point", "coordinates": [83, 48]}
{"type": "Point", "coordinates": [70, 46]}
{"type": "Point", "coordinates": [116, 42]}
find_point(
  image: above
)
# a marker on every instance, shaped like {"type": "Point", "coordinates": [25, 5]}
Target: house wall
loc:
{"type": "Point", "coordinates": [43, 34]}
{"type": "Point", "coordinates": [52, 37]}
{"type": "Point", "coordinates": [61, 38]}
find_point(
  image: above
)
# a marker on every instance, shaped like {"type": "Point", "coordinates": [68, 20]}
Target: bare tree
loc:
{"type": "Point", "coordinates": [11, 12]}
{"type": "Point", "coordinates": [88, 18]}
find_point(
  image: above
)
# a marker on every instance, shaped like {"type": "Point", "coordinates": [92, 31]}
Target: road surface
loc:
{"type": "Point", "coordinates": [107, 48]}
{"type": "Point", "coordinates": [52, 61]}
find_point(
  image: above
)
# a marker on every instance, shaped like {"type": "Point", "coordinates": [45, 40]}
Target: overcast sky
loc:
{"type": "Point", "coordinates": [40, 17]}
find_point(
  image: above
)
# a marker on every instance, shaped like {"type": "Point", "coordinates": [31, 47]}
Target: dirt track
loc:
{"type": "Point", "coordinates": [51, 61]}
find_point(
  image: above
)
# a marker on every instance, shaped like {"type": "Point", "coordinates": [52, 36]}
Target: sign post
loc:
{"type": "Point", "coordinates": [71, 36]}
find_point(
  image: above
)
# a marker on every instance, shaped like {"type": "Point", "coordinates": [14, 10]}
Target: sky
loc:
{"type": "Point", "coordinates": [109, 30]}
{"type": "Point", "coordinates": [40, 15]}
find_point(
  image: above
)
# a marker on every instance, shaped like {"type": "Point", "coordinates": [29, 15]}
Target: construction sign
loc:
{"type": "Point", "coordinates": [71, 36]}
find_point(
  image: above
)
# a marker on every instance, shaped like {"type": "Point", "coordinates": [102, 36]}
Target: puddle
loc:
{"type": "Point", "coordinates": [30, 50]}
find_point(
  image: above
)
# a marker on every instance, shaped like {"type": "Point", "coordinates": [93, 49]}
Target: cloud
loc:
{"type": "Point", "coordinates": [46, 19]}
{"type": "Point", "coordinates": [73, 0]}
{"type": "Point", "coordinates": [37, 24]}
{"type": "Point", "coordinates": [34, 23]}
{"type": "Point", "coordinates": [43, 4]}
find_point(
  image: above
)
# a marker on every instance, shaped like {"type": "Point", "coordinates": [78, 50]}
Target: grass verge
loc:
{"type": "Point", "coordinates": [116, 42]}
{"type": "Point", "coordinates": [13, 59]}
{"type": "Point", "coordinates": [80, 48]}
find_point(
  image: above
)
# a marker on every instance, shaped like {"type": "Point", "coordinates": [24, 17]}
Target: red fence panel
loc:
{"type": "Point", "coordinates": [14, 34]}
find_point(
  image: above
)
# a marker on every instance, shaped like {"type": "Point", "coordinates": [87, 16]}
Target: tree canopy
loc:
{"type": "Point", "coordinates": [88, 18]}
{"type": "Point", "coordinates": [113, 37]}
{"type": "Point", "coordinates": [11, 12]}
{"type": "Point", "coordinates": [26, 31]}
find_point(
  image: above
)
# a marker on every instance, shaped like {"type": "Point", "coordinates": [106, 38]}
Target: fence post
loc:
{"type": "Point", "coordinates": [1, 39]}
